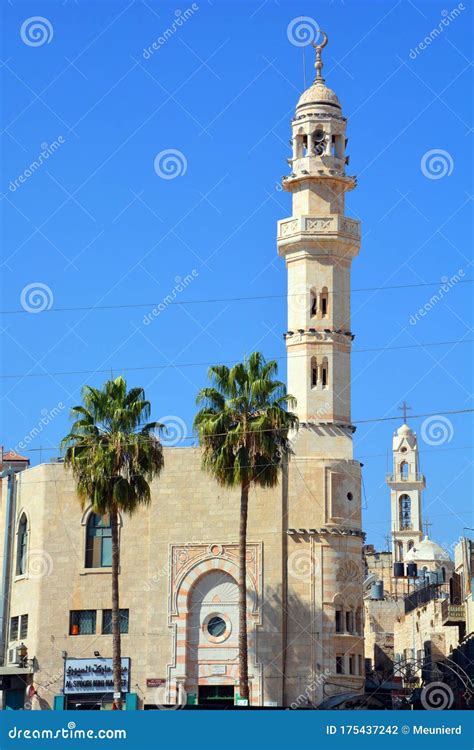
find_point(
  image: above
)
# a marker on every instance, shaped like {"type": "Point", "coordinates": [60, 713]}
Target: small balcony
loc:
{"type": "Point", "coordinates": [405, 478]}
{"type": "Point", "coordinates": [452, 614]}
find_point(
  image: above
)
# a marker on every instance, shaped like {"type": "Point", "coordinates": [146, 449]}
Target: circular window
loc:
{"type": "Point", "coordinates": [350, 496]}
{"type": "Point", "coordinates": [216, 627]}
{"type": "Point", "coordinates": [403, 450]}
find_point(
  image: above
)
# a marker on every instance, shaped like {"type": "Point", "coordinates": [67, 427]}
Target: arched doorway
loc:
{"type": "Point", "coordinates": [203, 616]}
{"type": "Point", "coordinates": [213, 638]}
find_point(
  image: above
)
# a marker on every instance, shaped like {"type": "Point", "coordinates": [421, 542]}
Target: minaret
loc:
{"type": "Point", "coordinates": [318, 243]}
{"type": "Point", "coordinates": [406, 486]}
{"type": "Point", "coordinates": [323, 631]}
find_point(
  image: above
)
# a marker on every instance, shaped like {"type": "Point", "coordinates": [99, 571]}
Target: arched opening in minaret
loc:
{"type": "Point", "coordinates": [324, 302]}
{"type": "Point", "coordinates": [324, 373]}
{"type": "Point", "coordinates": [313, 303]}
{"type": "Point", "coordinates": [299, 145]}
{"type": "Point", "coordinates": [405, 512]}
{"type": "Point", "coordinates": [314, 372]}
{"type": "Point", "coordinates": [319, 138]}
{"type": "Point", "coordinates": [404, 470]}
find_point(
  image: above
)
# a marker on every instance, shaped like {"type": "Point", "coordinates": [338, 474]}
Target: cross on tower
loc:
{"type": "Point", "coordinates": [427, 526]}
{"type": "Point", "coordinates": [404, 407]}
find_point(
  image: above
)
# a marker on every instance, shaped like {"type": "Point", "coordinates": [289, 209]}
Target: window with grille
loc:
{"type": "Point", "coordinates": [14, 621]}
{"type": "Point", "coordinates": [23, 627]}
{"type": "Point", "coordinates": [82, 622]}
{"type": "Point", "coordinates": [107, 621]}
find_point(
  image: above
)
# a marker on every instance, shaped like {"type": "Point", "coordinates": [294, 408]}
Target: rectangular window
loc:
{"type": "Point", "coordinates": [14, 628]}
{"type": "Point", "coordinates": [82, 622]}
{"type": "Point", "coordinates": [23, 627]}
{"type": "Point", "coordinates": [351, 664]}
{"type": "Point", "coordinates": [107, 621]}
{"type": "Point", "coordinates": [339, 664]}
{"type": "Point", "coordinates": [338, 621]}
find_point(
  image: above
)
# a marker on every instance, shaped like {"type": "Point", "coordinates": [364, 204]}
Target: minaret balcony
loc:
{"type": "Point", "coordinates": [314, 336]}
{"type": "Point", "coordinates": [338, 230]}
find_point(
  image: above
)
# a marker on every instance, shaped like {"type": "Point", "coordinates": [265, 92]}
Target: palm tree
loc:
{"type": "Point", "coordinates": [114, 454]}
{"type": "Point", "coordinates": [243, 430]}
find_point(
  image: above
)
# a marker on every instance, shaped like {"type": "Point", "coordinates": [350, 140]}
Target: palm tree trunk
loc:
{"type": "Point", "coordinates": [116, 647]}
{"type": "Point", "coordinates": [243, 641]}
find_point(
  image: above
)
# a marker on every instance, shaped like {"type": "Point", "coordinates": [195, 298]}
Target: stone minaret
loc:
{"type": "Point", "coordinates": [406, 486]}
{"type": "Point", "coordinates": [318, 242]}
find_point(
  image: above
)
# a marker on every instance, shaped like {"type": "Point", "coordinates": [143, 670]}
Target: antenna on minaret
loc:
{"type": "Point", "coordinates": [404, 408]}
{"type": "Point", "coordinates": [319, 63]}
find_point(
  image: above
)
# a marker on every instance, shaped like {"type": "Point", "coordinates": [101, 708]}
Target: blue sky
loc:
{"type": "Point", "coordinates": [96, 225]}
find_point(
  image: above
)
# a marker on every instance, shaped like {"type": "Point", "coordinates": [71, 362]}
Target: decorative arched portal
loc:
{"type": "Point", "coordinates": [204, 618]}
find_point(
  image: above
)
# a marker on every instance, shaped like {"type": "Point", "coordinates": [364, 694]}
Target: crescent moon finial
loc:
{"type": "Point", "coordinates": [319, 63]}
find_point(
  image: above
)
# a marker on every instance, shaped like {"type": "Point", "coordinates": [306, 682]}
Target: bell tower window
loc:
{"type": "Point", "coordinates": [313, 304]}
{"type": "Point", "coordinates": [405, 512]}
{"type": "Point", "coordinates": [404, 470]}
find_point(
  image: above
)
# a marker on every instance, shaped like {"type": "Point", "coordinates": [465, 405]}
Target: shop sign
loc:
{"type": "Point", "coordinates": [153, 682]}
{"type": "Point", "coordinates": [93, 676]}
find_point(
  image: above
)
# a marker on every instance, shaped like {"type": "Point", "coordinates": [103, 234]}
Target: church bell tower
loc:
{"type": "Point", "coordinates": [406, 487]}
{"type": "Point", "coordinates": [318, 242]}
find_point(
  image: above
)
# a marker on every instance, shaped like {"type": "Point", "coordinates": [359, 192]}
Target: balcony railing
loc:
{"type": "Point", "coordinates": [452, 614]}
{"type": "Point", "coordinates": [404, 478]}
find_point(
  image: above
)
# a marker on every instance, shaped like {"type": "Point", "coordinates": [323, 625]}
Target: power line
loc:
{"type": "Point", "coordinates": [83, 308]}
{"type": "Point", "coordinates": [256, 432]}
{"type": "Point", "coordinates": [228, 362]}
